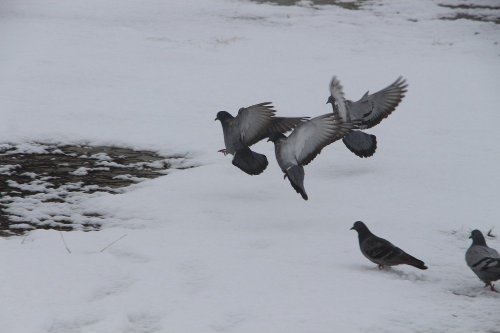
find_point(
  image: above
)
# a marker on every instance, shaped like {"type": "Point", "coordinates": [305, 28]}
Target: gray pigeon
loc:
{"type": "Point", "coordinates": [251, 125]}
{"type": "Point", "coordinates": [304, 144]}
{"type": "Point", "coordinates": [483, 260]}
{"type": "Point", "coordinates": [369, 111]}
{"type": "Point", "coordinates": [382, 252]}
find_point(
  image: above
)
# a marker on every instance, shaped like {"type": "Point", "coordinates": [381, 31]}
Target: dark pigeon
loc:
{"type": "Point", "coordinates": [251, 125]}
{"type": "Point", "coordinates": [382, 252]}
{"type": "Point", "coordinates": [304, 144]}
{"type": "Point", "coordinates": [369, 111]}
{"type": "Point", "coordinates": [483, 260]}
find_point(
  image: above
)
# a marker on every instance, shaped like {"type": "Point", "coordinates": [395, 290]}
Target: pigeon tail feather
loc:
{"type": "Point", "coordinates": [360, 143]}
{"type": "Point", "coordinates": [295, 175]}
{"type": "Point", "coordinates": [412, 261]}
{"type": "Point", "coordinates": [249, 161]}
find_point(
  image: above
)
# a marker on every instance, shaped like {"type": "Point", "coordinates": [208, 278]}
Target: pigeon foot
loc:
{"type": "Point", "coordinates": [380, 267]}
{"type": "Point", "coordinates": [224, 151]}
{"type": "Point", "coordinates": [492, 287]}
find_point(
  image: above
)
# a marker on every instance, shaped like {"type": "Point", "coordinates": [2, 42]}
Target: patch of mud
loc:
{"type": "Point", "coordinates": [472, 17]}
{"type": "Point", "coordinates": [468, 11]}
{"type": "Point", "coordinates": [352, 5]}
{"type": "Point", "coordinates": [469, 6]}
{"type": "Point", "coordinates": [41, 185]}
{"type": "Point", "coordinates": [473, 12]}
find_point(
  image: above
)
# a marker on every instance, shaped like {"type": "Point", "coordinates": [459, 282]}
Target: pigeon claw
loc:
{"type": "Point", "coordinates": [224, 151]}
{"type": "Point", "coordinates": [380, 267]}
{"type": "Point", "coordinates": [492, 287]}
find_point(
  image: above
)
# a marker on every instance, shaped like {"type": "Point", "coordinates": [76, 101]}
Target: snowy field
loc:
{"type": "Point", "coordinates": [211, 249]}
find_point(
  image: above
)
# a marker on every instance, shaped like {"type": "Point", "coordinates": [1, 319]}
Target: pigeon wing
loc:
{"type": "Point", "coordinates": [310, 137]}
{"type": "Point", "coordinates": [379, 249]}
{"type": "Point", "coordinates": [253, 122]}
{"type": "Point", "coordinates": [285, 124]}
{"type": "Point", "coordinates": [280, 125]}
{"type": "Point", "coordinates": [477, 256]}
{"type": "Point", "coordinates": [372, 109]}
{"type": "Point", "coordinates": [337, 92]}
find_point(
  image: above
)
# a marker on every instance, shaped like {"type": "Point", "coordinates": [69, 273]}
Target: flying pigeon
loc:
{"type": "Point", "coordinates": [369, 110]}
{"type": "Point", "coordinates": [251, 125]}
{"type": "Point", "coordinates": [304, 144]}
{"type": "Point", "coordinates": [382, 252]}
{"type": "Point", "coordinates": [483, 260]}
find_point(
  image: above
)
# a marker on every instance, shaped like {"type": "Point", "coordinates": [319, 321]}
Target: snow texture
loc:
{"type": "Point", "coordinates": [211, 249]}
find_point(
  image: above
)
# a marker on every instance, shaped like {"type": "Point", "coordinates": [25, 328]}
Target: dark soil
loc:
{"type": "Point", "coordinates": [31, 180]}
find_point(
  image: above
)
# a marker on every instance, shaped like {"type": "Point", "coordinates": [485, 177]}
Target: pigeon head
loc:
{"type": "Point", "coordinates": [360, 227]}
{"type": "Point", "coordinates": [276, 136]}
{"type": "Point", "coordinates": [331, 100]}
{"type": "Point", "coordinates": [223, 115]}
{"type": "Point", "coordinates": [477, 238]}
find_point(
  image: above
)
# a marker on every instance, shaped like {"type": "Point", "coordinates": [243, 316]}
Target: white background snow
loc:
{"type": "Point", "coordinates": [211, 249]}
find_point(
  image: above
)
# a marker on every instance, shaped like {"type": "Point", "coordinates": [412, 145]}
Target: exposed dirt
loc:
{"type": "Point", "coordinates": [41, 185]}
{"type": "Point", "coordinates": [467, 11]}
{"type": "Point", "coordinates": [352, 5]}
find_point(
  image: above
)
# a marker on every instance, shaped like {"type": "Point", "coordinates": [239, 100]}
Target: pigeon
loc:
{"type": "Point", "coordinates": [382, 252]}
{"type": "Point", "coordinates": [304, 144]}
{"type": "Point", "coordinates": [251, 125]}
{"type": "Point", "coordinates": [369, 110]}
{"type": "Point", "coordinates": [483, 260]}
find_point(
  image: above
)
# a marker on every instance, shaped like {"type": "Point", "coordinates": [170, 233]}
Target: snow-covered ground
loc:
{"type": "Point", "coordinates": [211, 249]}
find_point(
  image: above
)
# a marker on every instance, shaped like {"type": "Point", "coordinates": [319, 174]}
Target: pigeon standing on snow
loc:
{"type": "Point", "coordinates": [251, 125]}
{"type": "Point", "coordinates": [304, 144]}
{"type": "Point", "coordinates": [369, 111]}
{"type": "Point", "coordinates": [483, 260]}
{"type": "Point", "coordinates": [382, 252]}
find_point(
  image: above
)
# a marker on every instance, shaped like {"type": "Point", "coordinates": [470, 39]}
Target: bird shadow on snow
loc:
{"type": "Point", "coordinates": [393, 272]}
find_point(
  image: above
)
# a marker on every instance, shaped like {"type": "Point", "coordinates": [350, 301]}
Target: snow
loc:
{"type": "Point", "coordinates": [80, 171]}
{"type": "Point", "coordinates": [210, 249]}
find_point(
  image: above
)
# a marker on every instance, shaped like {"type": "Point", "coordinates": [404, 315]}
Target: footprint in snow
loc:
{"type": "Point", "coordinates": [112, 288]}
{"type": "Point", "coordinates": [76, 325]}
{"type": "Point", "coordinates": [132, 257]}
{"type": "Point", "coordinates": [229, 322]}
{"type": "Point", "coordinates": [143, 322]}
{"type": "Point", "coordinates": [195, 278]}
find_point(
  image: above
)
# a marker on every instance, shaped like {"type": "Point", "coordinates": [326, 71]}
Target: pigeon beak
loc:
{"type": "Point", "coordinates": [215, 119]}
{"type": "Point", "coordinates": [352, 228]}
{"type": "Point", "coordinates": [470, 236]}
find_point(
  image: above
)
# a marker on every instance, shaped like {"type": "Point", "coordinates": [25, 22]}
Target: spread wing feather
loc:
{"type": "Point", "coordinates": [310, 137]}
{"type": "Point", "coordinates": [372, 109]}
{"type": "Point", "coordinates": [253, 122]}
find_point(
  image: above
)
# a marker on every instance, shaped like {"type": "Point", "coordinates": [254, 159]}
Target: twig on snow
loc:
{"type": "Point", "coordinates": [113, 242]}
{"type": "Point", "coordinates": [64, 242]}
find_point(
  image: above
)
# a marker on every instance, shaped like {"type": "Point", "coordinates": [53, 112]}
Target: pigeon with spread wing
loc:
{"type": "Point", "coordinates": [251, 125]}
{"type": "Point", "coordinates": [370, 110]}
{"type": "Point", "coordinates": [304, 144]}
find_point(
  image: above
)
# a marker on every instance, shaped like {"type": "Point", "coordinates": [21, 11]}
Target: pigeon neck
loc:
{"type": "Point", "coordinates": [363, 233]}
{"type": "Point", "coordinates": [479, 240]}
{"type": "Point", "coordinates": [225, 124]}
